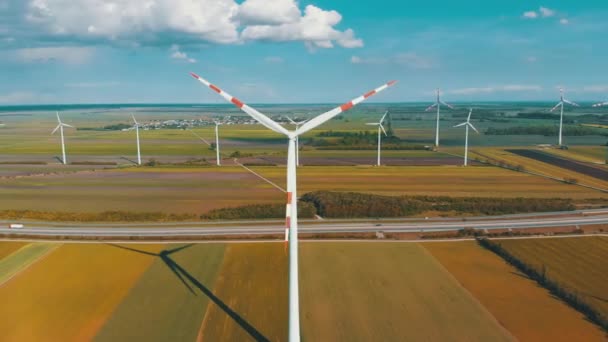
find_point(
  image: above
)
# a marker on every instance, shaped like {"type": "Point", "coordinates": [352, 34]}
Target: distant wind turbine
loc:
{"type": "Point", "coordinates": [291, 219]}
{"type": "Point", "coordinates": [136, 126]}
{"type": "Point", "coordinates": [59, 127]}
{"type": "Point", "coordinates": [217, 143]}
{"type": "Point", "coordinates": [560, 104]}
{"type": "Point", "coordinates": [438, 103]}
{"type": "Point", "coordinates": [297, 124]}
{"type": "Point", "coordinates": [380, 127]}
{"type": "Point", "coordinates": [467, 124]}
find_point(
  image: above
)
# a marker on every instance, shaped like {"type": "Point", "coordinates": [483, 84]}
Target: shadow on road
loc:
{"type": "Point", "coordinates": [129, 160]}
{"type": "Point", "coordinates": [185, 277]}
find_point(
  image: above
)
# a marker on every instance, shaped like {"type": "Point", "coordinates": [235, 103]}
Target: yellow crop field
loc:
{"type": "Point", "coordinates": [578, 263]}
{"type": "Point", "coordinates": [68, 295]}
{"type": "Point", "coordinates": [428, 180]}
{"type": "Point", "coordinates": [250, 295]}
{"type": "Point", "coordinates": [386, 292]}
{"type": "Point", "coordinates": [8, 247]}
{"type": "Point", "coordinates": [528, 311]}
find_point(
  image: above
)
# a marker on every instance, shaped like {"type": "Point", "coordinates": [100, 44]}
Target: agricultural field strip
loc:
{"type": "Point", "coordinates": [259, 176]}
{"type": "Point", "coordinates": [21, 259]}
{"type": "Point", "coordinates": [564, 163]}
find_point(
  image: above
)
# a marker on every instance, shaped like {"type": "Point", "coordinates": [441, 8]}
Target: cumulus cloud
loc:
{"type": "Point", "coordinates": [602, 88]}
{"type": "Point", "coordinates": [543, 12]}
{"type": "Point", "coordinates": [150, 22]}
{"type": "Point", "coordinates": [531, 59]}
{"type": "Point", "coordinates": [66, 55]}
{"type": "Point", "coordinates": [530, 15]}
{"type": "Point", "coordinates": [496, 89]}
{"type": "Point", "coordinates": [407, 59]}
{"type": "Point", "coordinates": [315, 28]}
{"type": "Point", "coordinates": [564, 21]}
{"type": "Point", "coordinates": [546, 12]}
{"type": "Point", "coordinates": [177, 54]}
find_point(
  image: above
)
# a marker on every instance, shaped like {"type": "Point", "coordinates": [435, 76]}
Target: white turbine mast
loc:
{"type": "Point", "coordinates": [297, 124]}
{"type": "Point", "coordinates": [59, 127]}
{"type": "Point", "coordinates": [467, 124]}
{"type": "Point", "coordinates": [560, 104]}
{"type": "Point", "coordinates": [218, 161]}
{"type": "Point", "coordinates": [380, 130]}
{"type": "Point", "coordinates": [136, 126]}
{"type": "Point", "coordinates": [291, 220]}
{"type": "Point", "coordinates": [438, 103]}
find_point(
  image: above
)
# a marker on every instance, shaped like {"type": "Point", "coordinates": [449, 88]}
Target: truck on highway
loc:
{"type": "Point", "coordinates": [15, 226]}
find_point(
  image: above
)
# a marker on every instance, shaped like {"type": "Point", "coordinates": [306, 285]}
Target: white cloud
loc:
{"type": "Point", "coordinates": [316, 28]}
{"type": "Point", "coordinates": [264, 12]}
{"type": "Point", "coordinates": [546, 12]}
{"type": "Point", "coordinates": [188, 21]}
{"type": "Point", "coordinates": [273, 59]}
{"type": "Point", "coordinates": [177, 54]}
{"type": "Point", "coordinates": [407, 59]}
{"type": "Point", "coordinates": [24, 97]}
{"type": "Point", "coordinates": [531, 59]}
{"type": "Point", "coordinates": [67, 55]}
{"type": "Point", "coordinates": [564, 21]}
{"type": "Point", "coordinates": [530, 15]}
{"type": "Point", "coordinates": [596, 89]}
{"type": "Point", "coordinates": [496, 89]}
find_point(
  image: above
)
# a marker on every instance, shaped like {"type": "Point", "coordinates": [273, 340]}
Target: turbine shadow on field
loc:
{"type": "Point", "coordinates": [185, 277]}
{"type": "Point", "coordinates": [58, 159]}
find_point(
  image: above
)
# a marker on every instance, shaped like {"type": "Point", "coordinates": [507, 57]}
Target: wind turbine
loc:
{"type": "Point", "coordinates": [601, 104]}
{"type": "Point", "coordinates": [136, 126]}
{"type": "Point", "coordinates": [297, 124]}
{"type": "Point", "coordinates": [560, 104]}
{"type": "Point", "coordinates": [217, 143]}
{"type": "Point", "coordinates": [291, 220]}
{"type": "Point", "coordinates": [438, 103]}
{"type": "Point", "coordinates": [59, 127]}
{"type": "Point", "coordinates": [467, 124]}
{"type": "Point", "coordinates": [380, 127]}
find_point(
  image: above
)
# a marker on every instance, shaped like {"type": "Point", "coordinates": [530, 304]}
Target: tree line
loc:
{"type": "Point", "coordinates": [545, 130]}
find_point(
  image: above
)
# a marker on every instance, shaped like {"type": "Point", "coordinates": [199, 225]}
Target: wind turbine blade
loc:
{"type": "Point", "coordinates": [318, 120]}
{"type": "Point", "coordinates": [601, 104]}
{"type": "Point", "coordinates": [382, 127]}
{"type": "Point", "coordinates": [473, 127]}
{"type": "Point", "coordinates": [135, 121]}
{"type": "Point", "coordinates": [447, 104]}
{"type": "Point", "coordinates": [55, 130]}
{"type": "Point", "coordinates": [291, 121]}
{"type": "Point", "coordinates": [66, 125]}
{"type": "Point", "coordinates": [372, 123]}
{"type": "Point", "coordinates": [58, 119]}
{"type": "Point", "coordinates": [383, 116]}
{"type": "Point", "coordinates": [556, 106]}
{"type": "Point", "coordinates": [571, 103]}
{"type": "Point", "coordinates": [261, 118]}
{"type": "Point", "coordinates": [469, 117]}
{"type": "Point", "coordinates": [431, 107]}
{"type": "Point", "coordinates": [460, 125]}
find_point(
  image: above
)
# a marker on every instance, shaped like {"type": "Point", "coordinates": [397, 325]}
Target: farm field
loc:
{"type": "Point", "coordinates": [528, 311]}
{"type": "Point", "coordinates": [501, 154]}
{"type": "Point", "coordinates": [577, 263]}
{"type": "Point", "coordinates": [588, 154]}
{"type": "Point", "coordinates": [21, 258]}
{"type": "Point", "coordinates": [590, 171]}
{"type": "Point", "coordinates": [8, 247]}
{"type": "Point", "coordinates": [199, 189]}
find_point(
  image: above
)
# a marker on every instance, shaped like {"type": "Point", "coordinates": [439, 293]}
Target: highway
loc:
{"type": "Point", "coordinates": [274, 227]}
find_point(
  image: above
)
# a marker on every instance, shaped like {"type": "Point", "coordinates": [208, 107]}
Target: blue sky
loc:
{"type": "Point", "coordinates": [286, 51]}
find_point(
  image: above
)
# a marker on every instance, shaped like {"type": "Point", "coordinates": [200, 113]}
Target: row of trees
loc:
{"type": "Point", "coordinates": [352, 205]}
{"type": "Point", "coordinates": [105, 216]}
{"type": "Point", "coordinates": [258, 211]}
{"type": "Point", "coordinates": [545, 130]}
{"type": "Point", "coordinates": [540, 276]}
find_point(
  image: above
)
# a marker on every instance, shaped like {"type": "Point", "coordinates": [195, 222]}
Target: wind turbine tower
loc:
{"type": "Point", "coordinates": [136, 126]}
{"type": "Point", "coordinates": [438, 103]}
{"type": "Point", "coordinates": [297, 124]}
{"type": "Point", "coordinates": [560, 104]}
{"type": "Point", "coordinates": [467, 124]}
{"type": "Point", "coordinates": [59, 127]}
{"type": "Point", "coordinates": [218, 161]}
{"type": "Point", "coordinates": [291, 220]}
{"type": "Point", "coordinates": [380, 129]}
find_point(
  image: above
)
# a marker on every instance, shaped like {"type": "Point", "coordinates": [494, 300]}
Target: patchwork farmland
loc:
{"type": "Point", "coordinates": [216, 291]}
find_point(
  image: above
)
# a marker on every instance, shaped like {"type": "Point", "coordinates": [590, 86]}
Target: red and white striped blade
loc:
{"type": "Point", "coordinates": [316, 121]}
{"type": "Point", "coordinates": [261, 118]}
